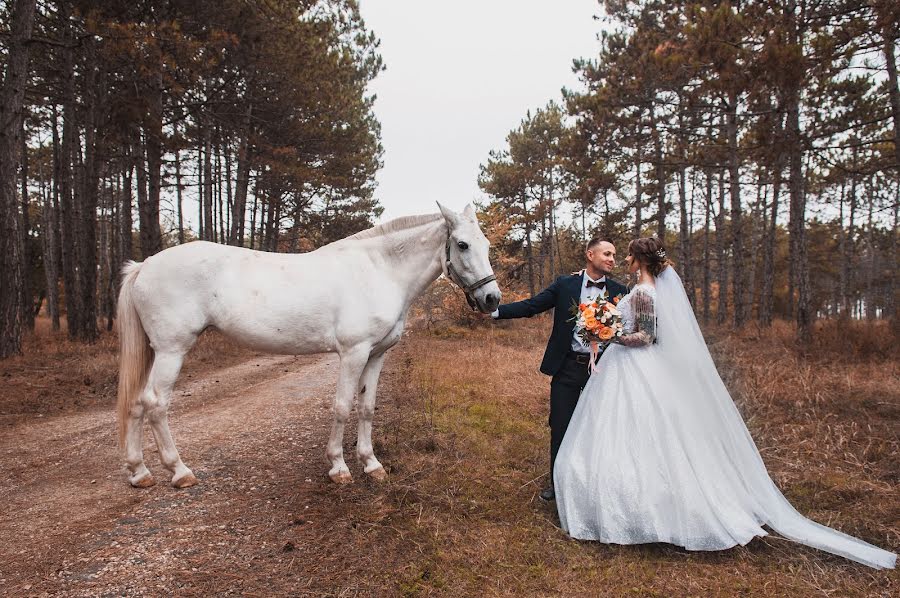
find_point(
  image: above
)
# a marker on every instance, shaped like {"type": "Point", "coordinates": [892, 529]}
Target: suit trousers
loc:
{"type": "Point", "coordinates": [565, 388]}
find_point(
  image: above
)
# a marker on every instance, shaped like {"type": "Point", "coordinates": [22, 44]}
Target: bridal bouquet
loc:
{"type": "Point", "coordinates": [597, 322]}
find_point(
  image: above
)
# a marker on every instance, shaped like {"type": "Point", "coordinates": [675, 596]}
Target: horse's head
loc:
{"type": "Point", "coordinates": [466, 260]}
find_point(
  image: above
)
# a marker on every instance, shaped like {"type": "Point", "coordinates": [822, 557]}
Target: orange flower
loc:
{"type": "Point", "coordinates": [615, 300]}
{"type": "Point", "coordinates": [582, 306]}
{"type": "Point", "coordinates": [606, 333]}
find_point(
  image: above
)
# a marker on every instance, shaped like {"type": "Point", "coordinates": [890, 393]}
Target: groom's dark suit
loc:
{"type": "Point", "coordinates": [568, 368]}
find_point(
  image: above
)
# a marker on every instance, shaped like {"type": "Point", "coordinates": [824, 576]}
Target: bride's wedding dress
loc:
{"type": "Point", "coordinates": [657, 451]}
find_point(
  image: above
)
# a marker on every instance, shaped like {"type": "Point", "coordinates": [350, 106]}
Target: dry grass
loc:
{"type": "Point", "coordinates": [461, 424]}
{"type": "Point", "coordinates": [465, 434]}
{"type": "Point", "coordinates": [55, 375]}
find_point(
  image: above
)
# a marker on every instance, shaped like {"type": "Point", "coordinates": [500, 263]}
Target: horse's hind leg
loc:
{"type": "Point", "coordinates": [366, 412]}
{"type": "Point", "coordinates": [156, 398]}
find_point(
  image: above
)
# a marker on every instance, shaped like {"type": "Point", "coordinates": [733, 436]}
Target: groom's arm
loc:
{"type": "Point", "coordinates": [526, 308]}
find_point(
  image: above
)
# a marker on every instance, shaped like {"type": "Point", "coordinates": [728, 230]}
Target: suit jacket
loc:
{"type": "Point", "coordinates": [559, 296]}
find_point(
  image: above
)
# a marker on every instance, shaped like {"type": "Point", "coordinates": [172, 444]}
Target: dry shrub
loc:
{"type": "Point", "coordinates": [56, 375]}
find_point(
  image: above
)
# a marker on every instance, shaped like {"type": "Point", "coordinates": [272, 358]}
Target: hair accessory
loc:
{"type": "Point", "coordinates": [661, 254]}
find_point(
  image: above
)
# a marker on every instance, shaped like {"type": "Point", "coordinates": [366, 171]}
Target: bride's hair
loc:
{"type": "Point", "coordinates": [651, 253]}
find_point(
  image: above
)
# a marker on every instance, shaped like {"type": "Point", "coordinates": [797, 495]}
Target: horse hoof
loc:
{"type": "Point", "coordinates": [144, 482]}
{"type": "Point", "coordinates": [379, 475]}
{"type": "Point", "coordinates": [341, 477]}
{"type": "Point", "coordinates": [185, 481]}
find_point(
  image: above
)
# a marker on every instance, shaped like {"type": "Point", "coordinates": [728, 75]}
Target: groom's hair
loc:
{"type": "Point", "coordinates": [595, 241]}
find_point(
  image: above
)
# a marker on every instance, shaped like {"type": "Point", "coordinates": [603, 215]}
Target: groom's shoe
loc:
{"type": "Point", "coordinates": [547, 494]}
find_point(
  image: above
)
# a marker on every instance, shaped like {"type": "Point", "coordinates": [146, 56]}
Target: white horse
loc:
{"type": "Point", "coordinates": [350, 297]}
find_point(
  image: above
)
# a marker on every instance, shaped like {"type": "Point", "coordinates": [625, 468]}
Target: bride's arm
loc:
{"type": "Point", "coordinates": [644, 322]}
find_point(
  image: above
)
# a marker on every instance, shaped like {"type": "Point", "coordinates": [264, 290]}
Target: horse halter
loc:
{"type": "Point", "coordinates": [453, 275]}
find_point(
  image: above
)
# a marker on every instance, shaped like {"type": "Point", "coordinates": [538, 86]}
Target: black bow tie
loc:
{"type": "Point", "coordinates": [600, 284]}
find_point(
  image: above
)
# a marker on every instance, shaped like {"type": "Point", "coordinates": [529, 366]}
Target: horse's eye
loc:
{"type": "Point", "coordinates": [462, 245]}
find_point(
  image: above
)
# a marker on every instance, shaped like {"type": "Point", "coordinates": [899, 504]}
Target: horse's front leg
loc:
{"type": "Point", "coordinates": [352, 364]}
{"type": "Point", "coordinates": [366, 412]}
{"type": "Point", "coordinates": [134, 450]}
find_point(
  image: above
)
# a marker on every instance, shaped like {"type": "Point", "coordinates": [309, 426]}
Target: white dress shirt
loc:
{"type": "Point", "coordinates": [588, 294]}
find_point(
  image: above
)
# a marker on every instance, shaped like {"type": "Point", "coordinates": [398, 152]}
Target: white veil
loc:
{"type": "Point", "coordinates": [715, 417]}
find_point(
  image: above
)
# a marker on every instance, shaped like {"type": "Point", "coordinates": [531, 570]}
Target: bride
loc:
{"type": "Point", "coordinates": [657, 451]}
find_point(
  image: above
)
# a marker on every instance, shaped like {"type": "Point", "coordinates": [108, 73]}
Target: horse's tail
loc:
{"type": "Point", "coordinates": [135, 356]}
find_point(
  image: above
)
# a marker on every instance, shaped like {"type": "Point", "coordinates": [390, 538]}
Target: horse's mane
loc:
{"type": "Point", "coordinates": [397, 224]}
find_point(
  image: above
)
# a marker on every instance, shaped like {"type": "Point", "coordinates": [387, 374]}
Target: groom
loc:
{"type": "Point", "coordinates": [567, 359]}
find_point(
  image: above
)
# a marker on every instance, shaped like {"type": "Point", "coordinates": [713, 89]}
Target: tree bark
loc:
{"type": "Point", "coordinates": [707, 270]}
{"type": "Point", "coordinates": [178, 196]}
{"type": "Point", "coordinates": [151, 235]}
{"type": "Point", "coordinates": [253, 220]}
{"type": "Point", "coordinates": [767, 299]}
{"type": "Point", "coordinates": [638, 224]}
{"type": "Point", "coordinates": [27, 302]}
{"type": "Point", "coordinates": [12, 99]}
{"type": "Point", "coordinates": [893, 87]}
{"type": "Point", "coordinates": [660, 180]}
{"type": "Point", "coordinates": [210, 226]}
{"type": "Point", "coordinates": [86, 246]}
{"type": "Point", "coordinates": [528, 249]}
{"type": "Point", "coordinates": [685, 237]}
{"type": "Point", "coordinates": [126, 221]}
{"type": "Point", "coordinates": [236, 234]}
{"type": "Point", "coordinates": [145, 211]}
{"type": "Point", "coordinates": [799, 257]}
{"type": "Point", "coordinates": [737, 232]}
{"type": "Point", "coordinates": [50, 244]}
{"type": "Point", "coordinates": [722, 261]}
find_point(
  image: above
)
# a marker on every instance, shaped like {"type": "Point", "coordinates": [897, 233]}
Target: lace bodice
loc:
{"type": "Point", "coordinates": [638, 310]}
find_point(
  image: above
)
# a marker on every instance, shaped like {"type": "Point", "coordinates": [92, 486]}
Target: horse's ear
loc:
{"type": "Point", "coordinates": [449, 215]}
{"type": "Point", "coordinates": [469, 212]}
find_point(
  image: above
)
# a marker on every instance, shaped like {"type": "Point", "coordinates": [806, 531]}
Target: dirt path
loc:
{"type": "Point", "coordinates": [254, 434]}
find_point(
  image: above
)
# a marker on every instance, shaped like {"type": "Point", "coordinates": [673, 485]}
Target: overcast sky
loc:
{"type": "Point", "coordinates": [459, 76]}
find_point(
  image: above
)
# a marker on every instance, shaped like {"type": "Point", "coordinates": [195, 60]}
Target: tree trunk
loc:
{"type": "Point", "coordinates": [737, 233]}
{"type": "Point", "coordinates": [126, 221]}
{"type": "Point", "coordinates": [660, 181]}
{"type": "Point", "coordinates": [893, 87]}
{"type": "Point", "coordinates": [767, 300]}
{"type": "Point", "coordinates": [27, 302]}
{"type": "Point", "coordinates": [145, 211]}
{"type": "Point", "coordinates": [68, 206]}
{"type": "Point", "coordinates": [50, 239]}
{"type": "Point", "coordinates": [12, 99]}
{"type": "Point", "coordinates": [891, 307]}
{"type": "Point", "coordinates": [253, 219]}
{"type": "Point", "coordinates": [685, 237]}
{"type": "Point", "coordinates": [87, 231]}
{"type": "Point", "coordinates": [707, 270]}
{"type": "Point", "coordinates": [55, 258]}
{"type": "Point", "coordinates": [179, 199]}
{"type": "Point", "coordinates": [210, 226]}
{"type": "Point", "coordinates": [236, 235]}
{"type": "Point", "coordinates": [229, 197]}
{"type": "Point", "coordinates": [529, 256]}
{"type": "Point", "coordinates": [871, 303]}
{"type": "Point", "coordinates": [638, 224]}
{"type": "Point", "coordinates": [797, 225]}
{"type": "Point", "coordinates": [722, 261]}
{"type": "Point", "coordinates": [151, 235]}
{"type": "Point", "coordinates": [222, 234]}
{"type": "Point", "coordinates": [756, 232]}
